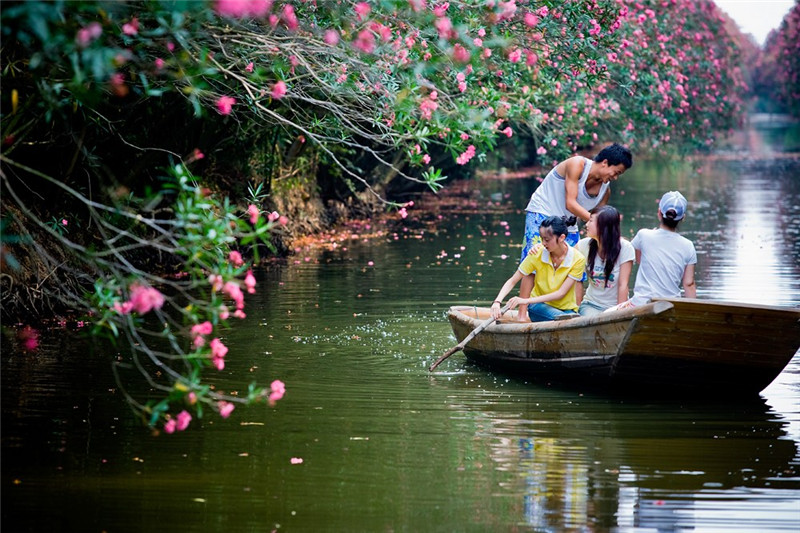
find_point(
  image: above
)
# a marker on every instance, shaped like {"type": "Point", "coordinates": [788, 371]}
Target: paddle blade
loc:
{"type": "Point", "coordinates": [444, 356]}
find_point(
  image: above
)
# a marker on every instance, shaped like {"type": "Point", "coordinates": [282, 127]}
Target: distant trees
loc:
{"type": "Point", "coordinates": [776, 78]}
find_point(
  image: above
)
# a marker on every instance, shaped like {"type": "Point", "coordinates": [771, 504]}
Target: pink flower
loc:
{"type": "Point", "coordinates": [541, 150]}
{"type": "Point", "coordinates": [132, 27]}
{"type": "Point", "coordinates": [289, 18]}
{"type": "Point", "coordinates": [296, 460]}
{"type": "Point", "coordinates": [225, 104]}
{"type": "Point", "coordinates": [427, 107]}
{"type": "Point", "coordinates": [169, 426]}
{"type": "Point", "coordinates": [216, 282]}
{"type": "Point", "coordinates": [225, 408]}
{"type": "Point", "coordinates": [531, 20]}
{"type": "Point", "coordinates": [64, 222]}
{"type": "Point", "coordinates": [218, 362]}
{"type": "Point", "coordinates": [365, 42]}
{"type": "Point", "coordinates": [243, 8]}
{"type": "Point", "coordinates": [362, 10]}
{"type": "Point", "coordinates": [184, 418]}
{"type": "Point", "coordinates": [278, 389]}
{"type": "Point", "coordinates": [217, 348]}
{"type": "Point", "coordinates": [204, 328]}
{"type": "Point", "coordinates": [460, 54]}
{"type": "Point", "coordinates": [426, 159]}
{"type": "Point", "coordinates": [224, 313]}
{"type": "Point", "coordinates": [508, 132]}
{"type": "Point", "coordinates": [515, 55]}
{"type": "Point", "coordinates": [250, 282]}
{"type": "Point", "coordinates": [159, 63]}
{"type": "Point", "coordinates": [283, 220]}
{"type": "Point", "coordinates": [253, 212]}
{"type": "Point", "coordinates": [196, 155]}
{"type": "Point", "coordinates": [29, 338]}
{"type": "Point", "coordinates": [118, 87]}
{"type": "Point", "coordinates": [232, 289]}
{"type": "Point", "coordinates": [279, 90]}
{"type": "Point", "coordinates": [88, 34]}
{"type": "Point", "coordinates": [144, 299]}
{"type": "Point", "coordinates": [403, 212]}
{"type": "Point", "coordinates": [554, 142]}
{"type": "Point", "coordinates": [331, 37]}
{"type": "Point", "coordinates": [235, 258]}
{"type": "Point", "coordinates": [464, 158]}
{"type": "Point", "coordinates": [123, 308]}
{"type": "Point", "coordinates": [249, 67]}
{"type": "Point", "coordinates": [445, 28]}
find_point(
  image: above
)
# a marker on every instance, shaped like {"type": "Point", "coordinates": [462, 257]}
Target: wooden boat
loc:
{"type": "Point", "coordinates": [694, 345]}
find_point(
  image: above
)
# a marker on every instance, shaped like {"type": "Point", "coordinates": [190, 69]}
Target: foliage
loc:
{"type": "Point", "coordinates": [114, 92]}
{"type": "Point", "coordinates": [777, 74]}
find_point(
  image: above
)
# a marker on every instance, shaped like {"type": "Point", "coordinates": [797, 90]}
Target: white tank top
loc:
{"type": "Point", "coordinates": [550, 197]}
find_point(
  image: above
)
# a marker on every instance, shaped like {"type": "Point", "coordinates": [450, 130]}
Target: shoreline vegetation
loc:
{"type": "Point", "coordinates": [153, 153]}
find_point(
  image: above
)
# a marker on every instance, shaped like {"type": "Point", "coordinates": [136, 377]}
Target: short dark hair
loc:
{"type": "Point", "coordinates": [558, 225]}
{"type": "Point", "coordinates": [615, 154]}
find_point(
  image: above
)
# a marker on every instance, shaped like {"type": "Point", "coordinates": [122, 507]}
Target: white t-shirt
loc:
{"type": "Point", "coordinates": [665, 256]}
{"type": "Point", "coordinates": [597, 292]}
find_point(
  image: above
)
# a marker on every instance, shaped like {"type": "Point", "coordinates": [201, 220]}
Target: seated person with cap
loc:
{"type": "Point", "coordinates": [666, 259]}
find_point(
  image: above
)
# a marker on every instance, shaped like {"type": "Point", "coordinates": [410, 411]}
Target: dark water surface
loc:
{"type": "Point", "coordinates": [386, 446]}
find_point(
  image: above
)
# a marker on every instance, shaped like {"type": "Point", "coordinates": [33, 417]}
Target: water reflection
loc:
{"type": "Point", "coordinates": [386, 445]}
{"type": "Point", "coordinates": [762, 232]}
{"type": "Point", "coordinates": [615, 463]}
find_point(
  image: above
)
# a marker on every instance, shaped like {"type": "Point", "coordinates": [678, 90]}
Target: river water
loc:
{"type": "Point", "coordinates": [387, 446]}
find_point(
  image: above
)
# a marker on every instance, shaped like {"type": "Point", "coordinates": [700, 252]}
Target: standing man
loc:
{"type": "Point", "coordinates": [571, 189]}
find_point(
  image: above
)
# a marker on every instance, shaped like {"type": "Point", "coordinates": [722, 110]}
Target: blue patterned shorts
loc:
{"type": "Point", "coordinates": [532, 223]}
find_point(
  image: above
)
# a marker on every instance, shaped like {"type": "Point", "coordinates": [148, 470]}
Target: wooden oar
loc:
{"type": "Point", "coordinates": [460, 346]}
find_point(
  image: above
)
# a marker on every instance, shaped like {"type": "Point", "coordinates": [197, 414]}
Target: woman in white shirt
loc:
{"type": "Point", "coordinates": [609, 260]}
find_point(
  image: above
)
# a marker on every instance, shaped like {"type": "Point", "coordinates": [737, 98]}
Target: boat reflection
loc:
{"type": "Point", "coordinates": [610, 463]}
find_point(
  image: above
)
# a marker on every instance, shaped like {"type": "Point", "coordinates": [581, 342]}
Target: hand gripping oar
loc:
{"type": "Point", "coordinates": [460, 346]}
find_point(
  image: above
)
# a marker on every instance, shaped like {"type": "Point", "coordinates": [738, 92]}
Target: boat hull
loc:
{"type": "Point", "coordinates": [684, 344]}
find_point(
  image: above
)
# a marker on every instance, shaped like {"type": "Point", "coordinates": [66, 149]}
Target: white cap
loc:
{"type": "Point", "coordinates": [675, 201]}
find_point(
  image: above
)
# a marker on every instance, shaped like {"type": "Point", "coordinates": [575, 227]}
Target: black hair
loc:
{"type": "Point", "coordinates": [607, 220]}
{"type": "Point", "coordinates": [668, 218]}
{"type": "Point", "coordinates": [615, 154]}
{"type": "Point", "coordinates": [558, 225]}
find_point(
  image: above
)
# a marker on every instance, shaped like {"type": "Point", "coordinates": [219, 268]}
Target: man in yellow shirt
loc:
{"type": "Point", "coordinates": [557, 266]}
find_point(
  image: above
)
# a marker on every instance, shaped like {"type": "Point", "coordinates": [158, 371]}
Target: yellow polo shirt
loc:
{"type": "Point", "coordinates": [549, 280]}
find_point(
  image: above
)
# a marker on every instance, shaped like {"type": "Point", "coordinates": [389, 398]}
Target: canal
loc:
{"type": "Point", "coordinates": [366, 439]}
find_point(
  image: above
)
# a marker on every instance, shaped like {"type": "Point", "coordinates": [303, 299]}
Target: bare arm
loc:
{"type": "Point", "coordinates": [504, 290]}
{"type": "Point", "coordinates": [689, 287]}
{"type": "Point", "coordinates": [573, 168]}
{"type": "Point", "coordinates": [624, 278]}
{"type": "Point", "coordinates": [555, 295]}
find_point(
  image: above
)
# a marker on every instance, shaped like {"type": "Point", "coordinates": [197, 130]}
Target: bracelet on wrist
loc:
{"type": "Point", "coordinates": [498, 302]}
